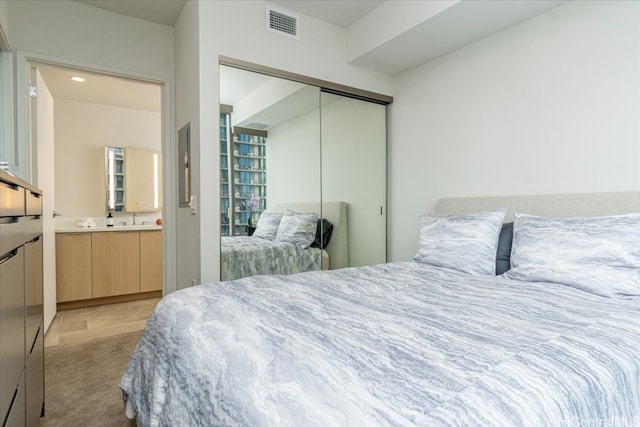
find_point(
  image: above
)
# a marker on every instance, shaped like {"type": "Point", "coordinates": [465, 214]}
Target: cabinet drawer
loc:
{"type": "Point", "coordinates": [16, 416]}
{"type": "Point", "coordinates": [11, 325]}
{"type": "Point", "coordinates": [33, 203]}
{"type": "Point", "coordinates": [73, 266]}
{"type": "Point", "coordinates": [11, 234]}
{"type": "Point", "coordinates": [33, 288]}
{"type": "Point", "coordinates": [32, 227]}
{"type": "Point", "coordinates": [150, 261]}
{"type": "Point", "coordinates": [11, 200]}
{"type": "Point", "coordinates": [35, 380]}
{"type": "Point", "coordinates": [115, 263]}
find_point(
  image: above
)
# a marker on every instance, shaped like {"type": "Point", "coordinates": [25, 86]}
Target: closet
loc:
{"type": "Point", "coordinates": [324, 143]}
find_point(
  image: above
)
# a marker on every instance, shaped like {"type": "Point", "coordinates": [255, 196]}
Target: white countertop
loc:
{"type": "Point", "coordinates": [147, 227]}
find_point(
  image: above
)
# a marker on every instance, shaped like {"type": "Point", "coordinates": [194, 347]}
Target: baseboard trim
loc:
{"type": "Point", "coordinates": [69, 305]}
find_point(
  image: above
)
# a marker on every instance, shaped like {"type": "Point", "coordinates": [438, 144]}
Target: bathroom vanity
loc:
{"type": "Point", "coordinates": [107, 264]}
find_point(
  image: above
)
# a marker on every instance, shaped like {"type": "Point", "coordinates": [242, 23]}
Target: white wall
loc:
{"type": "Point", "coordinates": [82, 131]}
{"type": "Point", "coordinates": [4, 19]}
{"type": "Point", "coordinates": [549, 106]}
{"type": "Point", "coordinates": [237, 29]}
{"type": "Point", "coordinates": [72, 33]}
{"type": "Point", "coordinates": [187, 111]}
{"type": "Point", "coordinates": [78, 32]}
{"type": "Point", "coordinates": [293, 161]}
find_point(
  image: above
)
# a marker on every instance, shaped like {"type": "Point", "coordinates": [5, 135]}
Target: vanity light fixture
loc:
{"type": "Point", "coordinates": [78, 79]}
{"type": "Point", "coordinates": [111, 184]}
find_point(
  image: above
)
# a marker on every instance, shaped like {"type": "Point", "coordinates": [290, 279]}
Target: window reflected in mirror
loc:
{"type": "Point", "coordinates": [115, 179]}
{"type": "Point", "coordinates": [134, 180]}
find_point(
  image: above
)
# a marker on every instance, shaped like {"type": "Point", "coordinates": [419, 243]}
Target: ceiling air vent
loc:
{"type": "Point", "coordinates": [283, 23]}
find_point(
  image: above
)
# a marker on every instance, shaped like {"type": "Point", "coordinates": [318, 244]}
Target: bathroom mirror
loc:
{"type": "Point", "coordinates": [133, 177]}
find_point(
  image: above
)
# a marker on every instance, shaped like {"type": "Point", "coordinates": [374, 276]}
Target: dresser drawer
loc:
{"type": "Point", "coordinates": [11, 325]}
{"type": "Point", "coordinates": [35, 379]}
{"type": "Point", "coordinates": [11, 234]}
{"type": "Point", "coordinates": [11, 200]}
{"type": "Point", "coordinates": [33, 203]}
{"type": "Point", "coordinates": [16, 416]}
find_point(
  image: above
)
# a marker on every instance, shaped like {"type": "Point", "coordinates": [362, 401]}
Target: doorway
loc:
{"type": "Point", "coordinates": [75, 115]}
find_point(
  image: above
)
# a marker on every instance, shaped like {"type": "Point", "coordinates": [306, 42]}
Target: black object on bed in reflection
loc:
{"type": "Point", "coordinates": [323, 233]}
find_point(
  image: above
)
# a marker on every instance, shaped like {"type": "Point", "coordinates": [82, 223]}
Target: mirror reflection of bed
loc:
{"type": "Point", "coordinates": [243, 256]}
{"type": "Point", "coordinates": [290, 147]}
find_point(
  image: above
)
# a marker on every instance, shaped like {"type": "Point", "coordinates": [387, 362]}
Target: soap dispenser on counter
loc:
{"type": "Point", "coordinates": [109, 220]}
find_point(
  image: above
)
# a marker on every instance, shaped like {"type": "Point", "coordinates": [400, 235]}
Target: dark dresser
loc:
{"type": "Point", "coordinates": [21, 305]}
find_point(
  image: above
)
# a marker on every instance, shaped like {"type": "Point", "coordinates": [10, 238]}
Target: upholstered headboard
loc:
{"type": "Point", "coordinates": [559, 205]}
{"type": "Point", "coordinates": [336, 213]}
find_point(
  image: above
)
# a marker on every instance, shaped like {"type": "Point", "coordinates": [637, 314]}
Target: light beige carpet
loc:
{"type": "Point", "coordinates": [81, 382]}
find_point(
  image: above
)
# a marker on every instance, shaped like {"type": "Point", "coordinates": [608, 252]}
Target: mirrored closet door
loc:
{"type": "Point", "coordinates": [293, 153]}
{"type": "Point", "coordinates": [354, 169]}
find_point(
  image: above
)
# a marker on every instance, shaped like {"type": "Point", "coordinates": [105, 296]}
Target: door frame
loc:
{"type": "Point", "coordinates": [24, 60]}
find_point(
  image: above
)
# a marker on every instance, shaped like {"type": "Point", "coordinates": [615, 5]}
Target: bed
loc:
{"type": "Point", "coordinates": [243, 256]}
{"type": "Point", "coordinates": [415, 342]}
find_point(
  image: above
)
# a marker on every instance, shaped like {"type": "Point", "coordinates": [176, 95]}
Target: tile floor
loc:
{"type": "Point", "coordinates": [85, 324]}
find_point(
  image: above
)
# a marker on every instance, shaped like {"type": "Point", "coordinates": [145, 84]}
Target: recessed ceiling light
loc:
{"type": "Point", "coordinates": [78, 79]}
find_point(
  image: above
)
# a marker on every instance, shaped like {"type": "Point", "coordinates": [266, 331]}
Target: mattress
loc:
{"type": "Point", "coordinates": [397, 344]}
{"type": "Point", "coordinates": [243, 256]}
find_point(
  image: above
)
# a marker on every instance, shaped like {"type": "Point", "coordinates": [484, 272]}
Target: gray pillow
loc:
{"type": "Point", "coordinates": [465, 243]}
{"type": "Point", "coordinates": [503, 257]}
{"type": "Point", "coordinates": [600, 255]}
{"type": "Point", "coordinates": [267, 226]}
{"type": "Point", "coordinates": [297, 228]}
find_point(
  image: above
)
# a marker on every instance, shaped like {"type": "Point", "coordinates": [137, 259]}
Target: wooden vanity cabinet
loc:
{"type": "Point", "coordinates": [96, 267]}
{"type": "Point", "coordinates": [73, 266]}
{"type": "Point", "coordinates": [116, 263]}
{"type": "Point", "coordinates": [150, 261]}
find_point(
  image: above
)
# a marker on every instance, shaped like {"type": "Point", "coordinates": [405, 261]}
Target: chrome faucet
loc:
{"type": "Point", "coordinates": [134, 219]}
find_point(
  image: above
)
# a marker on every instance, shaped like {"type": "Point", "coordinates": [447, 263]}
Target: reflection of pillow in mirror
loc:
{"type": "Point", "coordinates": [324, 231]}
{"type": "Point", "coordinates": [297, 228]}
{"type": "Point", "coordinates": [466, 243]}
{"type": "Point", "coordinates": [267, 226]}
{"type": "Point", "coordinates": [600, 255]}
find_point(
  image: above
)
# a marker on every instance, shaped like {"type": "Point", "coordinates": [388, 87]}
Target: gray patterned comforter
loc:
{"type": "Point", "coordinates": [243, 256]}
{"type": "Point", "coordinates": [397, 344]}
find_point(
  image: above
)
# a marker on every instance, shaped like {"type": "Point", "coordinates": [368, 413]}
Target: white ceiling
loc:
{"type": "Point", "coordinates": [263, 102]}
{"type": "Point", "coordinates": [462, 23]}
{"type": "Point", "coordinates": [236, 84]}
{"type": "Point", "coordinates": [102, 89]}
{"type": "Point", "coordinates": [459, 24]}
{"type": "Point", "coordinates": [341, 13]}
{"type": "Point", "coordinates": [164, 12]}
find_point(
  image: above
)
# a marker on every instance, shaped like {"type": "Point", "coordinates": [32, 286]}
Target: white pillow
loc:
{"type": "Point", "coordinates": [600, 255]}
{"type": "Point", "coordinates": [267, 226]}
{"type": "Point", "coordinates": [466, 243]}
{"type": "Point", "coordinates": [297, 228]}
